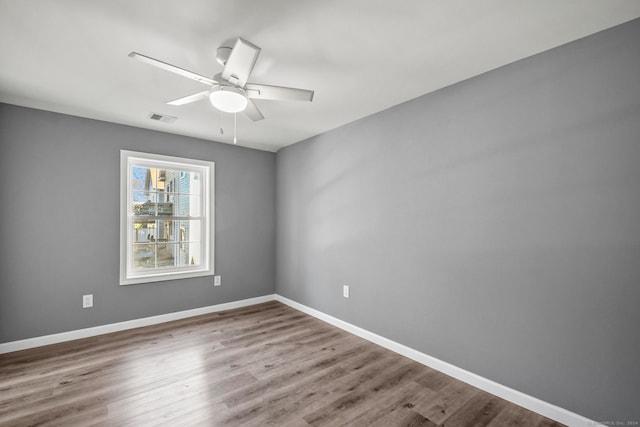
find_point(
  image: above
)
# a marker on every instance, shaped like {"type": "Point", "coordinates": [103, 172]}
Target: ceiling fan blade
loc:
{"type": "Point", "coordinates": [240, 63]}
{"type": "Point", "coordinates": [172, 68]}
{"type": "Point", "coordinates": [252, 111]}
{"type": "Point", "coordinates": [257, 91]}
{"type": "Point", "coordinates": [189, 99]}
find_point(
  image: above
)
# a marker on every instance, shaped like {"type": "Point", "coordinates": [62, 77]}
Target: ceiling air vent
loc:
{"type": "Point", "coordinates": [162, 118]}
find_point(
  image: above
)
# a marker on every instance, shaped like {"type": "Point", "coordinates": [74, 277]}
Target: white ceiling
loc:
{"type": "Point", "coordinates": [360, 56]}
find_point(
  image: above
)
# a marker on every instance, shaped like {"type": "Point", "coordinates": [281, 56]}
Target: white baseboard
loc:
{"type": "Point", "coordinates": [529, 402]}
{"type": "Point", "coordinates": [129, 324]}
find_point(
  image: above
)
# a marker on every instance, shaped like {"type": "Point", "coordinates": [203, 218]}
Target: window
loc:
{"type": "Point", "coordinates": [166, 217]}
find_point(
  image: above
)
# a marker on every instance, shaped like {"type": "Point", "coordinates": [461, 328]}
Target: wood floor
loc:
{"type": "Point", "coordinates": [266, 364]}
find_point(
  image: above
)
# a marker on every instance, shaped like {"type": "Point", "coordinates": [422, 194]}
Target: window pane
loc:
{"type": "Point", "coordinates": [144, 256]}
{"type": "Point", "coordinates": [140, 178]}
{"type": "Point", "coordinates": [190, 230]}
{"type": "Point", "coordinates": [166, 254]}
{"type": "Point", "coordinates": [144, 249]}
{"type": "Point", "coordinates": [142, 203]}
{"type": "Point", "coordinates": [188, 205]}
{"type": "Point", "coordinates": [142, 197]}
{"type": "Point", "coordinates": [190, 246]}
{"type": "Point", "coordinates": [189, 182]}
{"type": "Point", "coordinates": [144, 231]}
{"type": "Point", "coordinates": [166, 204]}
{"type": "Point", "coordinates": [159, 177]}
{"type": "Point", "coordinates": [167, 231]}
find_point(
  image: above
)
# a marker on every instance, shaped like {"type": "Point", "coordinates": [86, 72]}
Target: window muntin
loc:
{"type": "Point", "coordinates": [166, 217]}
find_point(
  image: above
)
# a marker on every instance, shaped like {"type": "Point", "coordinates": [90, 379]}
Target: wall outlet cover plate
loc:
{"type": "Point", "coordinates": [87, 301]}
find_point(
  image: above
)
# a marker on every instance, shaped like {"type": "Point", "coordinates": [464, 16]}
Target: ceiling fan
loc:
{"type": "Point", "coordinates": [229, 90]}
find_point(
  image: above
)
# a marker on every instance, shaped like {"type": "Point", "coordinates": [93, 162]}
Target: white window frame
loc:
{"type": "Point", "coordinates": [128, 275]}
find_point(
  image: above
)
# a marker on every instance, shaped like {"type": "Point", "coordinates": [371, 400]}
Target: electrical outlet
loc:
{"type": "Point", "coordinates": [217, 281]}
{"type": "Point", "coordinates": [345, 291]}
{"type": "Point", "coordinates": [87, 301]}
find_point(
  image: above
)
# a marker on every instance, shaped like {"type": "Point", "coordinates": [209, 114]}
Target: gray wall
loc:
{"type": "Point", "coordinates": [494, 224]}
{"type": "Point", "coordinates": [59, 210]}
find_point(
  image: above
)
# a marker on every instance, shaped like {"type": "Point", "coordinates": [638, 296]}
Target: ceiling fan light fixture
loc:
{"type": "Point", "coordinates": [228, 99]}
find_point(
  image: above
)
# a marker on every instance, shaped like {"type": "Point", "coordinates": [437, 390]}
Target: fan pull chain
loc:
{"type": "Point", "coordinates": [235, 129]}
{"type": "Point", "coordinates": [221, 123]}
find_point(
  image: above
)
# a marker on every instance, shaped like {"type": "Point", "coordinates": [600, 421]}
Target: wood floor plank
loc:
{"type": "Point", "coordinates": [402, 416]}
{"type": "Point", "coordinates": [434, 380]}
{"type": "Point", "coordinates": [516, 415]}
{"type": "Point", "coordinates": [447, 401]}
{"type": "Point", "coordinates": [479, 411]}
{"type": "Point", "coordinates": [261, 365]}
{"type": "Point", "coordinates": [400, 396]}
